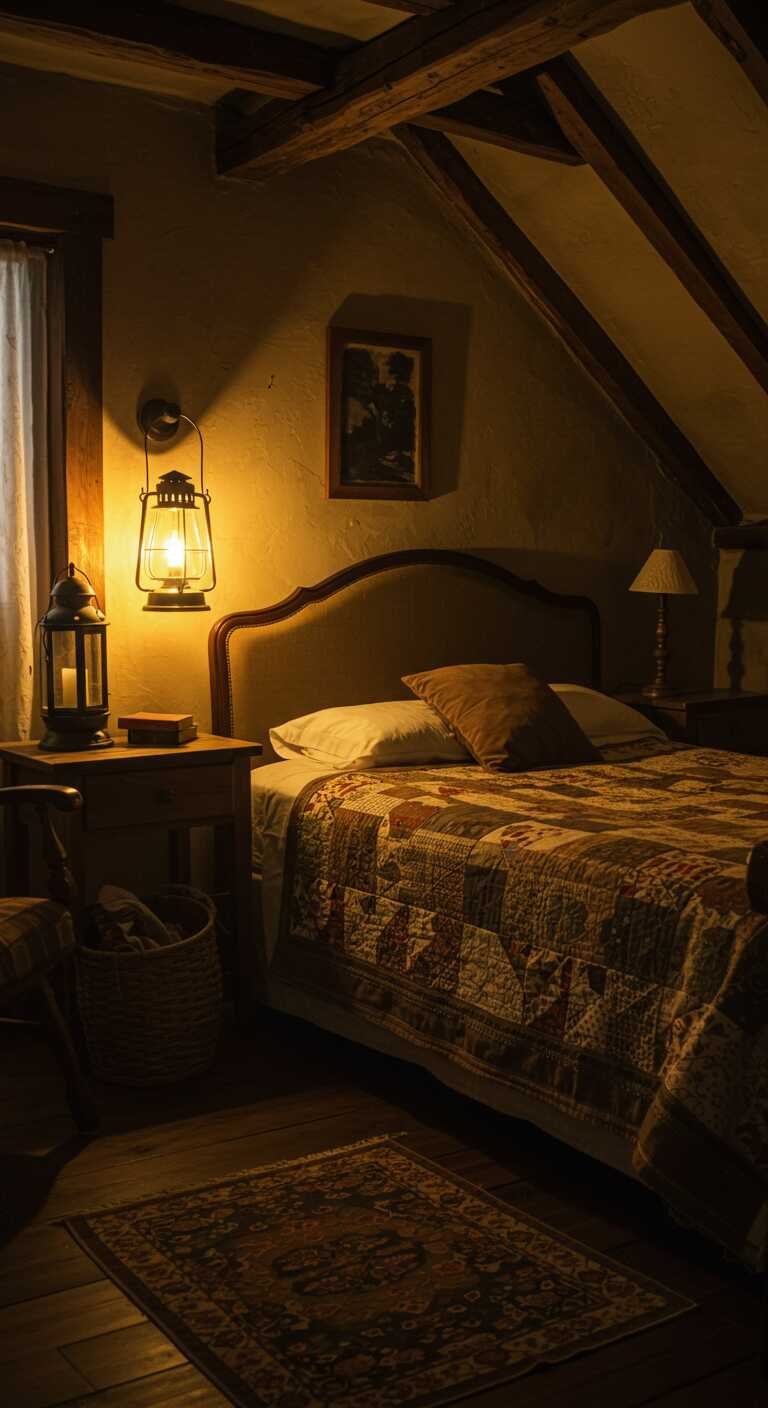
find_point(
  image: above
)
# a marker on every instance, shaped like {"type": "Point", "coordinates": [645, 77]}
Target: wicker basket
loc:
{"type": "Point", "coordinates": [151, 1018]}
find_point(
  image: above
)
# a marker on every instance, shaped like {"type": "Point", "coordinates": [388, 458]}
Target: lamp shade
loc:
{"type": "Point", "coordinates": [666, 574]}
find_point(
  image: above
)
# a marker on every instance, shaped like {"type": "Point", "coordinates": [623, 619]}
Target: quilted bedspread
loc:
{"type": "Point", "coordinates": [582, 934]}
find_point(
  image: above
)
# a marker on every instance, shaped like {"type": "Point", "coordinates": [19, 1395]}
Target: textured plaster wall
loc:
{"type": "Point", "coordinates": [220, 294]}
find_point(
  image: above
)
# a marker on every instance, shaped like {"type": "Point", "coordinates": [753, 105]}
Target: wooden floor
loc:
{"type": "Point", "coordinates": [69, 1335]}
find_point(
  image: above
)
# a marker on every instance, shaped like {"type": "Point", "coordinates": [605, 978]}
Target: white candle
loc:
{"type": "Point", "coordinates": [68, 689]}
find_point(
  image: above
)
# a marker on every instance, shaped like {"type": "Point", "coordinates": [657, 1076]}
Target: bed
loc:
{"type": "Point", "coordinates": [583, 947]}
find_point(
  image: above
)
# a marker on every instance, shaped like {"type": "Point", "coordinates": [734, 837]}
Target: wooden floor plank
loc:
{"type": "Point", "coordinates": [486, 1170]}
{"type": "Point", "coordinates": [79, 1188]}
{"type": "Point", "coordinates": [740, 1305]}
{"type": "Point", "coordinates": [687, 1362]}
{"type": "Point", "coordinates": [62, 1317]}
{"type": "Point", "coordinates": [741, 1386]}
{"type": "Point", "coordinates": [184, 1136]}
{"type": "Point", "coordinates": [40, 1380]}
{"type": "Point", "coordinates": [630, 1372]}
{"type": "Point", "coordinates": [75, 1191]}
{"type": "Point", "coordinates": [30, 1080]}
{"type": "Point", "coordinates": [48, 1322]}
{"type": "Point", "coordinates": [127, 1354]}
{"type": "Point", "coordinates": [40, 1261]}
{"type": "Point", "coordinates": [666, 1264]}
{"type": "Point", "coordinates": [185, 1387]}
{"type": "Point", "coordinates": [612, 1228]}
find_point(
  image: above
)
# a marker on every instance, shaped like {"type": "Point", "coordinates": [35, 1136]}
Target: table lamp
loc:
{"type": "Point", "coordinates": [666, 574]}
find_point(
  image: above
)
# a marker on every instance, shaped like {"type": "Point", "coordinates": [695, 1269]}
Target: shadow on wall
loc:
{"type": "Point", "coordinates": [746, 601]}
{"type": "Point", "coordinates": [448, 325]}
{"type": "Point", "coordinates": [628, 619]}
{"type": "Point", "coordinates": [198, 320]}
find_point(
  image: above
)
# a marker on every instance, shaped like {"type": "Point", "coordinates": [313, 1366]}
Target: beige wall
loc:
{"type": "Point", "coordinates": [741, 659]}
{"type": "Point", "coordinates": [220, 293]}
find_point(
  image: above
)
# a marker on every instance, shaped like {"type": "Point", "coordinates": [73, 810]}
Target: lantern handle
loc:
{"type": "Point", "coordinates": [196, 427]}
{"type": "Point", "coordinates": [69, 571]}
{"type": "Point", "coordinates": [148, 426]}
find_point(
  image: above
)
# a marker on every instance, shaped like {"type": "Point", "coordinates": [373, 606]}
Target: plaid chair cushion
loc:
{"type": "Point", "coordinates": [33, 934]}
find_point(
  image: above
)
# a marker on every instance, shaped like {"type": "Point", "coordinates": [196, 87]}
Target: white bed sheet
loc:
{"type": "Point", "coordinates": [274, 789]}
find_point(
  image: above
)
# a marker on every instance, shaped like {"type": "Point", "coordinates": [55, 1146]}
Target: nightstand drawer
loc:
{"type": "Point", "coordinates": [158, 797]}
{"type": "Point", "coordinates": [740, 731]}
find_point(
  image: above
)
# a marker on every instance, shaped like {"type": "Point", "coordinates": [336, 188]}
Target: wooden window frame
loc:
{"type": "Point", "coordinates": [72, 224]}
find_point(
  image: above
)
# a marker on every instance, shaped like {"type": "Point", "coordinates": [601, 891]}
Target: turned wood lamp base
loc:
{"type": "Point", "coordinates": [664, 572]}
{"type": "Point", "coordinates": [658, 685]}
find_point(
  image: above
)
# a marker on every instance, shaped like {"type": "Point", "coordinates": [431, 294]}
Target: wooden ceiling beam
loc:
{"type": "Point", "coordinates": [742, 27]}
{"type": "Point", "coordinates": [412, 7]}
{"type": "Point", "coordinates": [519, 120]}
{"type": "Point", "coordinates": [426, 63]}
{"type": "Point", "coordinates": [597, 133]}
{"type": "Point", "coordinates": [677, 458]}
{"type": "Point", "coordinates": [170, 40]}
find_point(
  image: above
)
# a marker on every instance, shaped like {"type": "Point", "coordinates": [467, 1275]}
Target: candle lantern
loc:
{"type": "Point", "coordinates": [73, 666]}
{"type": "Point", "coordinates": [175, 564]}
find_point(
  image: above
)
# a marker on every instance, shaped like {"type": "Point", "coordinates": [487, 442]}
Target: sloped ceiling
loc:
{"type": "Point", "coordinates": [699, 121]}
{"type": "Point", "coordinates": [705, 129]}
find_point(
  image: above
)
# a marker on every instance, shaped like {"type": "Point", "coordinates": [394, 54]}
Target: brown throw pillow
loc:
{"type": "Point", "coordinates": [505, 716]}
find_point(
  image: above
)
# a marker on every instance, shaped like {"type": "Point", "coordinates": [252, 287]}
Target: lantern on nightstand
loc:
{"type": "Point", "coordinates": [73, 667]}
{"type": "Point", "coordinates": [175, 566]}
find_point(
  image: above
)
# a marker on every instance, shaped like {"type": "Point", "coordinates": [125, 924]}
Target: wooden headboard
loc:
{"type": "Point", "coordinates": [349, 639]}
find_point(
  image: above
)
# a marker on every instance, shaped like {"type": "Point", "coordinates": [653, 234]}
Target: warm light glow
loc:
{"type": "Point", "coordinates": [174, 555]}
{"type": "Point", "coordinates": [175, 563]}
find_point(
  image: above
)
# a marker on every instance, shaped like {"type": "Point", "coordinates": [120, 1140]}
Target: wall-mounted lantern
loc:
{"type": "Point", "coordinates": [175, 564]}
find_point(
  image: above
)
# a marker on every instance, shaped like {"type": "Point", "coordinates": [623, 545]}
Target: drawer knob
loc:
{"type": "Point", "coordinates": [164, 795]}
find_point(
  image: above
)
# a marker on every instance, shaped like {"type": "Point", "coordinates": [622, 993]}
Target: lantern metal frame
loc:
{"type": "Point", "coordinates": [73, 609]}
{"type": "Point", "coordinates": [160, 421]}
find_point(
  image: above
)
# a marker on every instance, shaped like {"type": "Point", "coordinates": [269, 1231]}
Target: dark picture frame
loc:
{"type": "Point", "coordinates": [378, 420]}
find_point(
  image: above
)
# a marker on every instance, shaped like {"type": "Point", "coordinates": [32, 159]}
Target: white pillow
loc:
{"type": "Point", "coordinates": [357, 736]}
{"type": "Point", "coordinates": [605, 720]}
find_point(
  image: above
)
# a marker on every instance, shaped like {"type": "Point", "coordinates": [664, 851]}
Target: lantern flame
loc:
{"type": "Point", "coordinates": [174, 555]}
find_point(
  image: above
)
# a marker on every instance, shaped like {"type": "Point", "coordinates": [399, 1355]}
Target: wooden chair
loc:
{"type": "Point", "coordinates": [37, 937]}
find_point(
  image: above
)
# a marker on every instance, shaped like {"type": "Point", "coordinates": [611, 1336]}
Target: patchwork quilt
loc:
{"type": "Point", "coordinates": [582, 934]}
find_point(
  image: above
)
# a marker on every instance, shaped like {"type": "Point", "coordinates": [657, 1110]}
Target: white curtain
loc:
{"type": "Point", "coordinates": [24, 532]}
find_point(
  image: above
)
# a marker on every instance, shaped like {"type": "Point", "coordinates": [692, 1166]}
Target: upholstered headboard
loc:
{"type": "Point", "coordinates": [349, 639]}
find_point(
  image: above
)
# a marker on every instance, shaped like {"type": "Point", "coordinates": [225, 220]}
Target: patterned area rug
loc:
{"type": "Point", "coordinates": [364, 1277]}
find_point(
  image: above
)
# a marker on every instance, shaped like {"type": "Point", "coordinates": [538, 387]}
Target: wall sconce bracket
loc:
{"type": "Point", "coordinates": [159, 419]}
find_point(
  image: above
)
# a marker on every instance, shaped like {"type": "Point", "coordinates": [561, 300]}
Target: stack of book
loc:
{"type": "Point", "coordinates": [159, 730]}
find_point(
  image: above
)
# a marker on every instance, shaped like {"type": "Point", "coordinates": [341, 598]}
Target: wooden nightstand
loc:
{"type": "Point", "coordinates": [127, 789]}
{"type": "Point", "coordinates": [715, 718]}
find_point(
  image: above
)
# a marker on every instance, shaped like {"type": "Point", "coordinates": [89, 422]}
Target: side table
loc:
{"type": "Point", "coordinates": [715, 718]}
{"type": "Point", "coordinates": [127, 789]}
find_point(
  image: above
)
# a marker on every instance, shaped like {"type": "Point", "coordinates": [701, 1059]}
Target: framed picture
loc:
{"type": "Point", "coordinates": [379, 389]}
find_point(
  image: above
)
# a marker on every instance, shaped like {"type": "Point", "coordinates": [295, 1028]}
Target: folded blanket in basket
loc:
{"type": "Point", "coordinates": [122, 923]}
